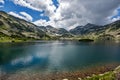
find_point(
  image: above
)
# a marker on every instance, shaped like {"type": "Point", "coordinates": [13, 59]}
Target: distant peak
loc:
{"type": "Point", "coordinates": [79, 26]}
{"type": "Point", "coordinates": [2, 12]}
{"type": "Point", "coordinates": [89, 24]}
{"type": "Point", "coordinates": [49, 26]}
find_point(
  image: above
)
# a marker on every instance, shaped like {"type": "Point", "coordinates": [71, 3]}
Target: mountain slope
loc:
{"type": "Point", "coordinates": [80, 30]}
{"type": "Point", "coordinates": [107, 32]}
{"type": "Point", "coordinates": [17, 28]}
{"type": "Point", "coordinates": [13, 28]}
{"type": "Point", "coordinates": [54, 31]}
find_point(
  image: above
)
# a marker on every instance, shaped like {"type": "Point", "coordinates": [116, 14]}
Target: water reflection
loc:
{"type": "Point", "coordinates": [55, 56]}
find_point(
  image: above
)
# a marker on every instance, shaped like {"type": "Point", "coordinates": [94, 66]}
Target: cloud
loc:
{"type": "Point", "coordinates": [24, 60]}
{"type": "Point", "coordinates": [2, 1]}
{"type": "Point", "coordinates": [22, 15]}
{"type": "Point", "coordinates": [16, 15]}
{"type": "Point", "coordinates": [41, 22]}
{"type": "Point", "coordinates": [71, 13]}
{"type": "Point", "coordinates": [27, 16]}
{"type": "Point", "coordinates": [115, 19]}
{"type": "Point", "coordinates": [81, 12]}
{"type": "Point", "coordinates": [42, 15]}
{"type": "Point", "coordinates": [38, 5]}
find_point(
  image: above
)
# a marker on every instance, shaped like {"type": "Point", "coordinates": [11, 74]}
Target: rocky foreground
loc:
{"type": "Point", "coordinates": [107, 72]}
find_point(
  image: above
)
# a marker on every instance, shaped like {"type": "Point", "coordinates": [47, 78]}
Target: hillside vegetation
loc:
{"type": "Point", "coordinates": [15, 29]}
{"type": "Point", "coordinates": [110, 32]}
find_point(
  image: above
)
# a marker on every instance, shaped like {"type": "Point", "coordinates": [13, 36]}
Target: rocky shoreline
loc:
{"type": "Point", "coordinates": [76, 75]}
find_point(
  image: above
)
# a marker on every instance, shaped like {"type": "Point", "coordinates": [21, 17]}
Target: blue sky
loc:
{"type": "Point", "coordinates": [63, 13]}
{"type": "Point", "coordinates": [10, 6]}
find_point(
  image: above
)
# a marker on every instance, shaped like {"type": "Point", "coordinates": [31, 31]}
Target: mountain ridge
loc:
{"type": "Point", "coordinates": [14, 27]}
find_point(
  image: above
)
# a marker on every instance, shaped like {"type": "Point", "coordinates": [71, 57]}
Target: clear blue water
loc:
{"type": "Point", "coordinates": [50, 56]}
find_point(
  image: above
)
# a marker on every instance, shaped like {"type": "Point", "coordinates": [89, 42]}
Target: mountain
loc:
{"type": "Point", "coordinates": [80, 30]}
{"type": "Point", "coordinates": [62, 31]}
{"type": "Point", "coordinates": [13, 27]}
{"type": "Point", "coordinates": [54, 31]}
{"type": "Point", "coordinates": [107, 32]}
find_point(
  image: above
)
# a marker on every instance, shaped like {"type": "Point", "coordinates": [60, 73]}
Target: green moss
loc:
{"type": "Point", "coordinates": [111, 75]}
{"type": "Point", "coordinates": [106, 76]}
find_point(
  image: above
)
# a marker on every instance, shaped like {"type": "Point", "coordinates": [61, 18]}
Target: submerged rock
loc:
{"type": "Point", "coordinates": [86, 40]}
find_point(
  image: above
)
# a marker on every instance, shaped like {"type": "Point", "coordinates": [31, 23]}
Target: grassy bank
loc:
{"type": "Point", "coordinates": [111, 75]}
{"type": "Point", "coordinates": [106, 76]}
{"type": "Point", "coordinates": [10, 39]}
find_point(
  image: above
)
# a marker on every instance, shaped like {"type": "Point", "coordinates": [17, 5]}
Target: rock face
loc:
{"type": "Point", "coordinates": [79, 30]}
{"type": "Point", "coordinates": [15, 27]}
{"type": "Point", "coordinates": [91, 28]}
{"type": "Point", "coordinates": [54, 31]}
{"type": "Point", "coordinates": [106, 37]}
{"type": "Point", "coordinates": [107, 32]}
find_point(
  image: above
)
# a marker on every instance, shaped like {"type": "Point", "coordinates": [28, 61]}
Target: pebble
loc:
{"type": "Point", "coordinates": [65, 79]}
{"type": "Point", "coordinates": [115, 71]}
{"type": "Point", "coordinates": [88, 77]}
{"type": "Point", "coordinates": [117, 68]}
{"type": "Point", "coordinates": [101, 74]}
{"type": "Point", "coordinates": [79, 79]}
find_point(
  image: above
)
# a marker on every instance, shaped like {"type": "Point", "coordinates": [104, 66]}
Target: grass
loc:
{"type": "Point", "coordinates": [111, 75]}
{"type": "Point", "coordinates": [9, 39]}
{"type": "Point", "coordinates": [106, 76]}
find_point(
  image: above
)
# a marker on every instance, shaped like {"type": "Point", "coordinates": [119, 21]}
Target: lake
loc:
{"type": "Point", "coordinates": [56, 56]}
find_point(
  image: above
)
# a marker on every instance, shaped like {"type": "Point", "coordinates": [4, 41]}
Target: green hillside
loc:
{"type": "Point", "coordinates": [15, 29]}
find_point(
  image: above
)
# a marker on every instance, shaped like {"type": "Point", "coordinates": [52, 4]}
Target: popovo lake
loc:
{"type": "Point", "coordinates": [53, 56]}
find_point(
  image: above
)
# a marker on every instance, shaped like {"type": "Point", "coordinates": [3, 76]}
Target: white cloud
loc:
{"type": "Point", "coordinates": [23, 15]}
{"type": "Point", "coordinates": [38, 5]}
{"type": "Point", "coordinates": [80, 12]}
{"type": "Point", "coordinates": [115, 19]}
{"type": "Point", "coordinates": [24, 60]}
{"type": "Point", "coordinates": [42, 14]}
{"type": "Point", "coordinates": [16, 15]}
{"type": "Point", "coordinates": [72, 13]}
{"type": "Point", "coordinates": [41, 22]}
{"type": "Point", "coordinates": [27, 16]}
{"type": "Point", "coordinates": [2, 1]}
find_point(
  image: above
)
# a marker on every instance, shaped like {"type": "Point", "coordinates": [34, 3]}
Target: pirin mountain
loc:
{"type": "Point", "coordinates": [12, 28]}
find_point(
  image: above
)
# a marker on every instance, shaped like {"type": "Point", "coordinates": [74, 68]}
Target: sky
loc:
{"type": "Point", "coordinates": [63, 13]}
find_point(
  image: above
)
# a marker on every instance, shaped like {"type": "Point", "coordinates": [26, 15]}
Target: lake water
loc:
{"type": "Point", "coordinates": [52, 56]}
